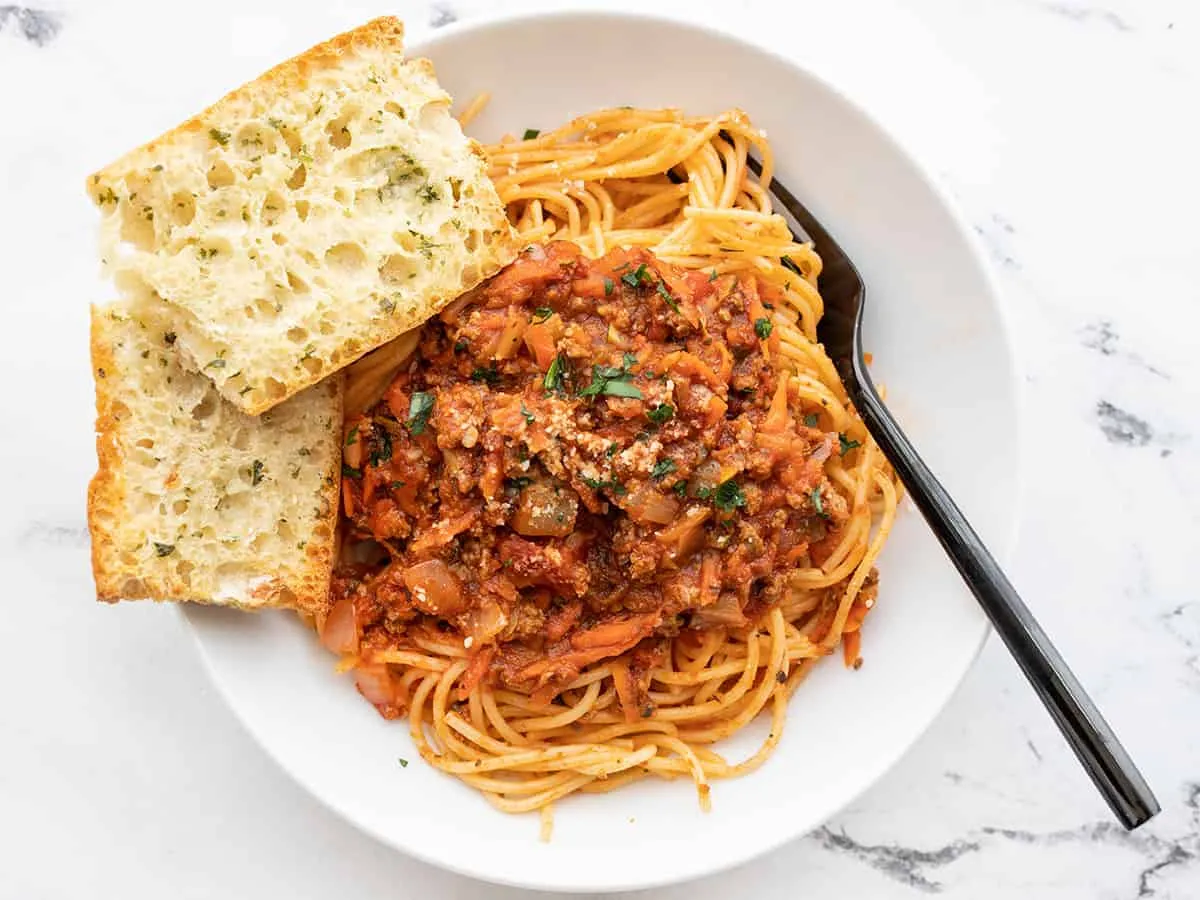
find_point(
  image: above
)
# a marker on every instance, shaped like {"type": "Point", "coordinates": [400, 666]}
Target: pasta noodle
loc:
{"type": "Point", "coordinates": [678, 186]}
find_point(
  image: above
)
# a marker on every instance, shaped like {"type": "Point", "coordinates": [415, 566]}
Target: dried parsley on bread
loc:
{"type": "Point", "coordinates": [194, 499]}
{"type": "Point", "coordinates": [306, 218]}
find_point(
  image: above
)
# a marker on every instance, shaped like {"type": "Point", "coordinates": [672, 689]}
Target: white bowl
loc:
{"type": "Point", "coordinates": [938, 336]}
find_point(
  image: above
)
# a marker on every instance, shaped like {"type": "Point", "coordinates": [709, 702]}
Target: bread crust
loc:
{"type": "Point", "coordinates": [383, 33]}
{"type": "Point", "coordinates": [274, 384]}
{"type": "Point", "coordinates": [307, 591]}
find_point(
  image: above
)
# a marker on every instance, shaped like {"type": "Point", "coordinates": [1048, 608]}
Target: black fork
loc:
{"type": "Point", "coordinates": [1102, 756]}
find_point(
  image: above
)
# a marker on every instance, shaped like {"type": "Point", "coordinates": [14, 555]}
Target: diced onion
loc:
{"type": "Point", "coordinates": [435, 589]}
{"type": "Point", "coordinates": [339, 632]}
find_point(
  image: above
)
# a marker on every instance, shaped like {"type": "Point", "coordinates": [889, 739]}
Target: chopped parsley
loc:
{"type": "Point", "coordinates": [613, 381]}
{"type": "Point", "coordinates": [610, 484]}
{"type": "Point", "coordinates": [662, 469]}
{"type": "Point", "coordinates": [161, 550]}
{"type": "Point", "coordinates": [728, 496]}
{"type": "Point", "coordinates": [612, 450]}
{"type": "Point", "coordinates": [530, 134]}
{"type": "Point", "coordinates": [661, 413]}
{"type": "Point", "coordinates": [846, 444]}
{"type": "Point", "coordinates": [530, 418]}
{"type": "Point", "coordinates": [712, 276]}
{"type": "Point", "coordinates": [221, 137]}
{"type": "Point", "coordinates": [256, 472]}
{"type": "Point", "coordinates": [169, 338]}
{"type": "Point", "coordinates": [460, 346]}
{"type": "Point", "coordinates": [818, 504]}
{"type": "Point", "coordinates": [351, 472]}
{"type": "Point", "coordinates": [382, 450]}
{"type": "Point", "coordinates": [519, 483]}
{"type": "Point", "coordinates": [811, 420]}
{"type": "Point", "coordinates": [403, 762]}
{"type": "Point", "coordinates": [680, 489]}
{"type": "Point", "coordinates": [396, 485]}
{"type": "Point", "coordinates": [608, 287]}
{"type": "Point", "coordinates": [217, 363]}
{"type": "Point", "coordinates": [387, 304]}
{"type": "Point", "coordinates": [429, 194]}
{"type": "Point", "coordinates": [555, 374]}
{"type": "Point", "coordinates": [763, 328]}
{"type": "Point", "coordinates": [541, 314]}
{"type": "Point", "coordinates": [490, 375]}
{"type": "Point", "coordinates": [788, 264]}
{"type": "Point", "coordinates": [666, 295]}
{"type": "Point", "coordinates": [419, 409]}
{"type": "Point", "coordinates": [636, 277]}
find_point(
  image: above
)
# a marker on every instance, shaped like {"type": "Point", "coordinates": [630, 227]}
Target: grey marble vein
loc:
{"type": "Point", "coordinates": [1087, 14]}
{"type": "Point", "coordinates": [1122, 427]}
{"type": "Point", "coordinates": [1101, 335]}
{"type": "Point", "coordinates": [996, 233]}
{"type": "Point", "coordinates": [912, 867]}
{"type": "Point", "coordinates": [48, 534]}
{"type": "Point", "coordinates": [904, 864]}
{"type": "Point", "coordinates": [441, 14]}
{"type": "Point", "coordinates": [38, 26]}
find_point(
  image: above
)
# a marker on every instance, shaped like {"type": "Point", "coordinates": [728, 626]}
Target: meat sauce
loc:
{"type": "Point", "coordinates": [582, 459]}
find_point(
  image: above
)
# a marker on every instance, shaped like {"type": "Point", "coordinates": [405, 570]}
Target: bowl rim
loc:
{"type": "Point", "coordinates": [426, 42]}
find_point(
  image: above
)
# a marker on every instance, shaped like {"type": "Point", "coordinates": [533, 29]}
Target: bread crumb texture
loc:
{"type": "Point", "coordinates": [305, 218]}
{"type": "Point", "coordinates": [194, 499]}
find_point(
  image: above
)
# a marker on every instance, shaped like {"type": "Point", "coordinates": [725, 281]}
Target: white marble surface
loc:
{"type": "Point", "coordinates": [1067, 131]}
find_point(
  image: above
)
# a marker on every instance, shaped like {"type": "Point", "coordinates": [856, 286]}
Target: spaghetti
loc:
{"type": "Point", "coordinates": [679, 187]}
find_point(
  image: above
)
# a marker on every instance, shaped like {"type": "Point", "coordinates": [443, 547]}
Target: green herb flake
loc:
{"type": "Point", "coordinates": [488, 375]}
{"type": "Point", "coordinates": [728, 496]}
{"type": "Point", "coordinates": [661, 413]}
{"type": "Point", "coordinates": [351, 472]}
{"type": "Point", "coordinates": [763, 328]}
{"type": "Point", "coordinates": [846, 444]}
{"type": "Point", "coordinates": [818, 504]}
{"type": "Point", "coordinates": [530, 134]}
{"type": "Point", "coordinates": [419, 409]}
{"type": "Point", "coordinates": [609, 484]}
{"type": "Point", "coordinates": [636, 277]}
{"type": "Point", "coordinates": [608, 287]}
{"type": "Point", "coordinates": [217, 363]}
{"type": "Point", "coordinates": [530, 418]}
{"type": "Point", "coordinates": [396, 485]}
{"type": "Point", "coordinates": [612, 381]}
{"type": "Point", "coordinates": [161, 550]}
{"type": "Point", "coordinates": [613, 449]}
{"type": "Point", "coordinates": [663, 292]}
{"type": "Point", "coordinates": [788, 264]}
{"type": "Point", "coordinates": [382, 450]}
{"type": "Point", "coordinates": [387, 304]}
{"type": "Point", "coordinates": [662, 469]}
{"type": "Point", "coordinates": [541, 314]}
{"type": "Point", "coordinates": [221, 137]}
{"type": "Point", "coordinates": [169, 338]}
{"type": "Point", "coordinates": [460, 346]}
{"type": "Point", "coordinates": [712, 276]}
{"type": "Point", "coordinates": [554, 375]}
{"type": "Point", "coordinates": [403, 762]}
{"type": "Point", "coordinates": [429, 194]}
{"type": "Point", "coordinates": [811, 420]}
{"type": "Point", "coordinates": [680, 489]}
{"type": "Point", "coordinates": [256, 472]}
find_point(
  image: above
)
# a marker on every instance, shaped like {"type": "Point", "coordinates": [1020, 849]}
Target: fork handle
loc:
{"type": "Point", "coordinates": [1106, 762]}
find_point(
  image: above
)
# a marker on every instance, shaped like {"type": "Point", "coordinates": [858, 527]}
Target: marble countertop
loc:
{"type": "Point", "coordinates": [1066, 131]}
